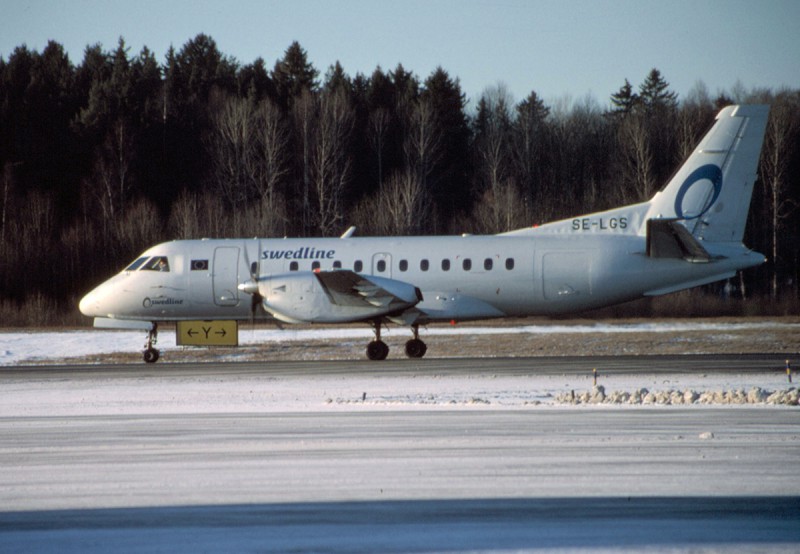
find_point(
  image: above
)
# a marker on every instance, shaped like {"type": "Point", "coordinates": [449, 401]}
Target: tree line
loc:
{"type": "Point", "coordinates": [105, 158]}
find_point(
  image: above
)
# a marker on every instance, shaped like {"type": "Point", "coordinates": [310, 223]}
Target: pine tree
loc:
{"type": "Point", "coordinates": [253, 82]}
{"type": "Point", "coordinates": [449, 182]}
{"type": "Point", "coordinates": [654, 93]}
{"type": "Point", "coordinates": [624, 100]}
{"type": "Point", "coordinates": [294, 74]}
{"type": "Point", "coordinates": [528, 146]}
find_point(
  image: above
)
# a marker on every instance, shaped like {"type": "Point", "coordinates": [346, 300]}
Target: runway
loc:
{"type": "Point", "coordinates": [540, 365]}
{"type": "Point", "coordinates": [241, 457]}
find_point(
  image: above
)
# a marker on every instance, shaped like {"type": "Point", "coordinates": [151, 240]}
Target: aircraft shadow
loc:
{"type": "Point", "coordinates": [415, 525]}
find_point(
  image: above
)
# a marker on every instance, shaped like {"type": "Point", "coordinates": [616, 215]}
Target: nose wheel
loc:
{"type": "Point", "coordinates": [151, 353]}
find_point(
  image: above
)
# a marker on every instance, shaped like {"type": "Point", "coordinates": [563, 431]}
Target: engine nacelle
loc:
{"type": "Point", "coordinates": [334, 296]}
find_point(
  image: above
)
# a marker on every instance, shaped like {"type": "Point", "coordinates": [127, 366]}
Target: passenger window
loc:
{"type": "Point", "coordinates": [509, 263]}
{"type": "Point", "coordinates": [381, 266]}
{"type": "Point", "coordinates": [445, 265]}
{"type": "Point", "coordinates": [294, 266]}
{"type": "Point", "coordinates": [337, 264]}
{"type": "Point", "coordinates": [403, 265]}
{"type": "Point", "coordinates": [135, 265]}
{"type": "Point", "coordinates": [358, 267]}
{"type": "Point", "coordinates": [487, 264]}
{"type": "Point", "coordinates": [314, 265]}
{"type": "Point", "coordinates": [157, 263]}
{"type": "Point", "coordinates": [467, 264]}
{"type": "Point", "coordinates": [424, 265]}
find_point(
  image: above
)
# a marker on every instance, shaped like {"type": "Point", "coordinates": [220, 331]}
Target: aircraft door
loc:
{"type": "Point", "coordinates": [225, 276]}
{"type": "Point", "coordinates": [567, 276]}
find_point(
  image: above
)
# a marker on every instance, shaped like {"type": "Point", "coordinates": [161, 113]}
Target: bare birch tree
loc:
{"type": "Point", "coordinates": [422, 144]}
{"type": "Point", "coordinates": [782, 128]}
{"type": "Point", "coordinates": [331, 162]}
{"type": "Point", "coordinates": [378, 133]}
{"type": "Point", "coordinates": [494, 151]}
{"type": "Point", "coordinates": [233, 149]}
{"type": "Point", "coordinates": [501, 209]}
{"type": "Point", "coordinates": [274, 168]}
{"type": "Point", "coordinates": [304, 116]}
{"type": "Point", "coordinates": [109, 183]}
{"type": "Point", "coordinates": [637, 159]}
{"type": "Point", "coordinates": [400, 207]}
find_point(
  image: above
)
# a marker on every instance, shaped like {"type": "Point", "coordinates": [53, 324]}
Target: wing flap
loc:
{"type": "Point", "coordinates": [347, 288]}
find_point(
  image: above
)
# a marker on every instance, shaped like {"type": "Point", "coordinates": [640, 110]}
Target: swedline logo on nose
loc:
{"type": "Point", "coordinates": [150, 302]}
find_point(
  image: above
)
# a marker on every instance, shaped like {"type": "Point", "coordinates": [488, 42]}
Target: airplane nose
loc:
{"type": "Point", "coordinates": [89, 304]}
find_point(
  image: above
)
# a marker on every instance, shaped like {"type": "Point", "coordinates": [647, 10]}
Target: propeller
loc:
{"type": "Point", "coordinates": [251, 285]}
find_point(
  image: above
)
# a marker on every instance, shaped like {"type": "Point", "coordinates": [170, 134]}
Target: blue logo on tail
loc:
{"type": "Point", "coordinates": [707, 172]}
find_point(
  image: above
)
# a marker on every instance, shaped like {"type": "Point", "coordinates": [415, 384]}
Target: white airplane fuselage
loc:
{"type": "Point", "coordinates": [486, 276]}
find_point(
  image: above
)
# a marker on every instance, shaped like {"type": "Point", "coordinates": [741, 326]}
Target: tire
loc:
{"type": "Point", "coordinates": [415, 348]}
{"type": "Point", "coordinates": [377, 350]}
{"type": "Point", "coordinates": [151, 355]}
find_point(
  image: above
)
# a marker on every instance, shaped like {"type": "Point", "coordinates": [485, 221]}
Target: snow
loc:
{"type": "Point", "coordinates": [195, 459]}
{"type": "Point", "coordinates": [253, 393]}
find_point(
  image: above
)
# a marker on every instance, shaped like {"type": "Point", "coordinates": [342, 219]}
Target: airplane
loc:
{"type": "Point", "coordinates": [688, 234]}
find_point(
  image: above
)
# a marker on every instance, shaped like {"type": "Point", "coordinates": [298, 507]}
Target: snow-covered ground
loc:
{"type": "Point", "coordinates": [189, 459]}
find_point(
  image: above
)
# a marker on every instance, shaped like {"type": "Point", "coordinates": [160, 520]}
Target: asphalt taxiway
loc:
{"type": "Point", "coordinates": [540, 365]}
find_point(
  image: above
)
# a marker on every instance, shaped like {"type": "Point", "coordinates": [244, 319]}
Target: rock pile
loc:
{"type": "Point", "coordinates": [598, 395]}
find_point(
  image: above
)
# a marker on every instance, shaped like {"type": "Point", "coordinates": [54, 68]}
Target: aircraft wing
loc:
{"type": "Point", "coordinates": [336, 296]}
{"type": "Point", "coordinates": [347, 288]}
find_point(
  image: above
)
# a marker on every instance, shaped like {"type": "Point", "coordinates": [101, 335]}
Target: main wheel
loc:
{"type": "Point", "coordinates": [151, 355]}
{"type": "Point", "coordinates": [415, 348]}
{"type": "Point", "coordinates": [377, 350]}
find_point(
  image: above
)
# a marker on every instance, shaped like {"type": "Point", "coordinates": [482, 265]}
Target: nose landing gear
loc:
{"type": "Point", "coordinates": [151, 354]}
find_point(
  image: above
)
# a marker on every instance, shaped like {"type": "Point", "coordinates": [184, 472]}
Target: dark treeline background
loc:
{"type": "Point", "coordinates": [103, 159]}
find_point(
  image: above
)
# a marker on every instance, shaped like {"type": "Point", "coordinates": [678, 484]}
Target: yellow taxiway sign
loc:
{"type": "Point", "coordinates": [208, 333]}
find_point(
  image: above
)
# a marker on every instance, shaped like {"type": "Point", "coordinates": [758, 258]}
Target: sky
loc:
{"type": "Point", "coordinates": [562, 50]}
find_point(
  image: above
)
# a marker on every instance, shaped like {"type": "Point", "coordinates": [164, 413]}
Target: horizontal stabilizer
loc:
{"type": "Point", "coordinates": [667, 238]}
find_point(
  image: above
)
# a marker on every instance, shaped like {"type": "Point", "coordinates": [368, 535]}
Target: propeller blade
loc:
{"type": "Point", "coordinates": [251, 285]}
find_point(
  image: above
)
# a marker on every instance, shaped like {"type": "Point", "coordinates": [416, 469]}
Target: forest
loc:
{"type": "Point", "coordinates": [105, 158]}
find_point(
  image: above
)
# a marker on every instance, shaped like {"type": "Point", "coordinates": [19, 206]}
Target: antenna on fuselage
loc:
{"type": "Point", "coordinates": [349, 233]}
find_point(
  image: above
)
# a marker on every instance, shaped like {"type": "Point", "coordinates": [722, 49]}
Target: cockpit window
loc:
{"type": "Point", "coordinates": [135, 265]}
{"type": "Point", "coordinates": [157, 263]}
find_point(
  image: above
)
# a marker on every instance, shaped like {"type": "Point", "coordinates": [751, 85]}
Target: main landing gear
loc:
{"type": "Point", "coordinates": [151, 353]}
{"type": "Point", "coordinates": [415, 348]}
{"type": "Point", "coordinates": [378, 350]}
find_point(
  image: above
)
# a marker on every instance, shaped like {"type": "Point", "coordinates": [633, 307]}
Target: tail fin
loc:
{"type": "Point", "coordinates": [710, 194]}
